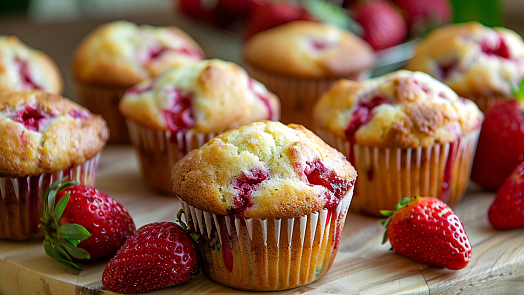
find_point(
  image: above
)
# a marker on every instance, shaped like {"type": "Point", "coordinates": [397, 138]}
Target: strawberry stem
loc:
{"type": "Point", "coordinates": [518, 93]}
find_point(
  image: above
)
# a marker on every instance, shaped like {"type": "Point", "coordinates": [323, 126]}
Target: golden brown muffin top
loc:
{"type": "Point", "coordinates": [402, 110]}
{"type": "Point", "coordinates": [206, 96]}
{"type": "Point", "coordinates": [43, 133]}
{"type": "Point", "coordinates": [122, 53]}
{"type": "Point", "coordinates": [22, 67]}
{"type": "Point", "coordinates": [472, 59]}
{"type": "Point", "coordinates": [309, 49]}
{"type": "Point", "coordinates": [264, 170]}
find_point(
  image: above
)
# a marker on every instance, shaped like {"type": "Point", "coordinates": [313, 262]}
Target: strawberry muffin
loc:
{"type": "Point", "coordinates": [299, 60]}
{"type": "Point", "coordinates": [269, 202]}
{"type": "Point", "coordinates": [116, 56]}
{"type": "Point", "coordinates": [187, 106]}
{"type": "Point", "coordinates": [406, 133]}
{"type": "Point", "coordinates": [44, 138]}
{"type": "Point", "coordinates": [477, 62]}
{"type": "Point", "coordinates": [22, 68]}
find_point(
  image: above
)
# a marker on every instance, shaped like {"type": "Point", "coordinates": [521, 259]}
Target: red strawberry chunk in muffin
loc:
{"type": "Point", "coordinates": [32, 118]}
{"type": "Point", "coordinates": [179, 116]}
{"type": "Point", "coordinates": [363, 114]}
{"type": "Point", "coordinates": [25, 75]}
{"type": "Point", "coordinates": [262, 97]}
{"type": "Point", "coordinates": [445, 70]}
{"type": "Point", "coordinates": [246, 185]}
{"type": "Point", "coordinates": [499, 49]}
{"type": "Point", "coordinates": [317, 174]}
{"type": "Point", "coordinates": [319, 45]}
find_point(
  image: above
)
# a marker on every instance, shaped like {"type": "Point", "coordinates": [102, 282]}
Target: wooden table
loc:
{"type": "Point", "coordinates": [362, 266]}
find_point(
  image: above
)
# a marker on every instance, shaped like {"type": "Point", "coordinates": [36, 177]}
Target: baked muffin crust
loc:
{"type": "Point", "coordinates": [472, 59]}
{"type": "Point", "coordinates": [22, 68]}
{"type": "Point", "coordinates": [403, 110]}
{"type": "Point", "coordinates": [43, 133]}
{"type": "Point", "coordinates": [310, 50]}
{"type": "Point", "coordinates": [206, 96]}
{"type": "Point", "coordinates": [123, 53]}
{"type": "Point", "coordinates": [264, 170]}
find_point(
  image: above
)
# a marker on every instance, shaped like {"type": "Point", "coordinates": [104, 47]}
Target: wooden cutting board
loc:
{"type": "Point", "coordinates": [362, 265]}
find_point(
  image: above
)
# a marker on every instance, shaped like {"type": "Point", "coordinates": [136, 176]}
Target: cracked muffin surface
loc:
{"type": "Point", "coordinates": [23, 68]}
{"type": "Point", "coordinates": [403, 110]}
{"type": "Point", "coordinates": [264, 170]}
{"type": "Point", "coordinates": [472, 59]}
{"type": "Point", "coordinates": [42, 133]}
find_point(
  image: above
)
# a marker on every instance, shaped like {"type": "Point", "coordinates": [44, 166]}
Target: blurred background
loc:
{"type": "Point", "coordinates": [220, 26]}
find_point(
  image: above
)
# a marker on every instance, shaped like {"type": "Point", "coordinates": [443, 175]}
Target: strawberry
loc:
{"type": "Point", "coordinates": [501, 144]}
{"type": "Point", "coordinates": [158, 255]}
{"type": "Point", "coordinates": [423, 15]}
{"type": "Point", "coordinates": [507, 210]}
{"type": "Point", "coordinates": [383, 25]}
{"type": "Point", "coordinates": [206, 10]}
{"type": "Point", "coordinates": [271, 14]}
{"type": "Point", "coordinates": [82, 222]}
{"type": "Point", "coordinates": [427, 231]}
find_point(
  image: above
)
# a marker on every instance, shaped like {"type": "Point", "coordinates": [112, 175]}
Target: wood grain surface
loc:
{"type": "Point", "coordinates": [362, 265]}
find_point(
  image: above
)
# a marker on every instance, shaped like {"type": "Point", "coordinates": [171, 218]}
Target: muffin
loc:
{"type": "Point", "coordinates": [406, 134]}
{"type": "Point", "coordinates": [120, 54]}
{"type": "Point", "coordinates": [44, 137]}
{"type": "Point", "coordinates": [477, 62]}
{"type": "Point", "coordinates": [269, 202]}
{"type": "Point", "coordinates": [299, 60]}
{"type": "Point", "coordinates": [187, 106]}
{"type": "Point", "coordinates": [23, 68]}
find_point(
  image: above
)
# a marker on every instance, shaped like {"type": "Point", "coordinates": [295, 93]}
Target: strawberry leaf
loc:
{"type": "Point", "coordinates": [60, 251]}
{"type": "Point", "coordinates": [60, 207]}
{"type": "Point", "coordinates": [331, 13]}
{"type": "Point", "coordinates": [518, 93]}
{"type": "Point", "coordinates": [72, 241]}
{"type": "Point", "coordinates": [73, 231]}
{"type": "Point", "coordinates": [76, 252]}
{"type": "Point", "coordinates": [49, 250]}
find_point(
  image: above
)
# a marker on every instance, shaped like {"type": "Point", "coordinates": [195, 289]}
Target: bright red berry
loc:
{"type": "Point", "coordinates": [271, 14]}
{"type": "Point", "coordinates": [501, 145]}
{"type": "Point", "coordinates": [507, 210]}
{"type": "Point", "coordinates": [423, 15]}
{"type": "Point", "coordinates": [158, 255]}
{"type": "Point", "coordinates": [383, 25]}
{"type": "Point", "coordinates": [428, 231]}
{"type": "Point", "coordinates": [82, 223]}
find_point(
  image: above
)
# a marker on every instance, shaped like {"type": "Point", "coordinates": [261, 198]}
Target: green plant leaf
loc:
{"type": "Point", "coordinates": [50, 251]}
{"type": "Point", "coordinates": [51, 202]}
{"type": "Point", "coordinates": [60, 207]}
{"type": "Point", "coordinates": [60, 251]}
{"type": "Point", "coordinates": [387, 212]}
{"type": "Point", "coordinates": [72, 241]}
{"type": "Point", "coordinates": [66, 185]}
{"type": "Point", "coordinates": [385, 237]}
{"type": "Point", "coordinates": [73, 231]}
{"type": "Point", "coordinates": [76, 252]}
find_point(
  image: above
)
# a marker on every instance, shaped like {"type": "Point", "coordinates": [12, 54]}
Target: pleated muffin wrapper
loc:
{"type": "Point", "coordinates": [297, 95]}
{"type": "Point", "coordinates": [104, 100]}
{"type": "Point", "coordinates": [268, 254]}
{"type": "Point", "coordinates": [22, 198]}
{"type": "Point", "coordinates": [386, 175]}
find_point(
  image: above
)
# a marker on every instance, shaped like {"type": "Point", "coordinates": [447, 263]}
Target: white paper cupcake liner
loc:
{"type": "Point", "coordinates": [386, 175]}
{"type": "Point", "coordinates": [104, 100]}
{"type": "Point", "coordinates": [297, 95]}
{"type": "Point", "coordinates": [159, 153]}
{"type": "Point", "coordinates": [21, 199]}
{"type": "Point", "coordinates": [484, 102]}
{"type": "Point", "coordinates": [268, 254]}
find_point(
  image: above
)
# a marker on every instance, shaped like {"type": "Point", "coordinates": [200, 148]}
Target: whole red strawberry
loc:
{"type": "Point", "coordinates": [501, 144]}
{"type": "Point", "coordinates": [428, 231]}
{"type": "Point", "coordinates": [383, 25]}
{"type": "Point", "coordinates": [507, 210]}
{"type": "Point", "coordinates": [422, 15]}
{"type": "Point", "coordinates": [158, 255]}
{"type": "Point", "coordinates": [82, 223]}
{"type": "Point", "coordinates": [271, 14]}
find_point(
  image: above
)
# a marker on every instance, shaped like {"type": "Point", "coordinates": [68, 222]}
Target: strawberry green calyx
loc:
{"type": "Point", "coordinates": [194, 236]}
{"type": "Point", "coordinates": [518, 93]}
{"type": "Point", "coordinates": [60, 241]}
{"type": "Point", "coordinates": [389, 214]}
